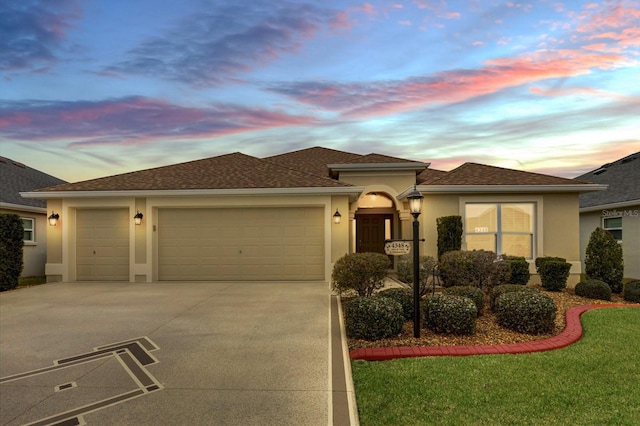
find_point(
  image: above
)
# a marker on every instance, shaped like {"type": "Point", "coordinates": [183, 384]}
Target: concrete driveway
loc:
{"type": "Point", "coordinates": [172, 353]}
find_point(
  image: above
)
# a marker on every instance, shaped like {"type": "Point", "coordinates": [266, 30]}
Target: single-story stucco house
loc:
{"type": "Point", "coordinates": [16, 177]}
{"type": "Point", "coordinates": [236, 217]}
{"type": "Point", "coordinates": [617, 209]}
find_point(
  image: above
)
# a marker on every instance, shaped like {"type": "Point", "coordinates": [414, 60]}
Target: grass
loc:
{"type": "Point", "coordinates": [594, 381]}
{"type": "Point", "coordinates": [29, 281]}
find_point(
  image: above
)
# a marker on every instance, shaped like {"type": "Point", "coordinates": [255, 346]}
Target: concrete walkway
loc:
{"type": "Point", "coordinates": [173, 353]}
{"type": "Point", "coordinates": [571, 334]}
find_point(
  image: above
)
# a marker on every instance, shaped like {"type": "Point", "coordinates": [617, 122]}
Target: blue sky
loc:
{"type": "Point", "coordinates": [99, 87]}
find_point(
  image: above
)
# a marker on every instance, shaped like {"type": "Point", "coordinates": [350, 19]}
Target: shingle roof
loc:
{"type": "Point", "coordinates": [16, 177]}
{"type": "Point", "coordinates": [429, 175]}
{"type": "Point", "coordinates": [623, 178]}
{"type": "Point", "coordinates": [313, 160]}
{"type": "Point", "coordinates": [230, 171]}
{"type": "Point", "coordinates": [377, 159]}
{"type": "Point", "coordinates": [480, 174]}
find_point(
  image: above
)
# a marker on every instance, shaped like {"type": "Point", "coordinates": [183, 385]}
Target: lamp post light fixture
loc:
{"type": "Point", "coordinates": [415, 207]}
{"type": "Point", "coordinates": [337, 217]}
{"type": "Point", "coordinates": [137, 219]}
{"type": "Point", "coordinates": [53, 219]}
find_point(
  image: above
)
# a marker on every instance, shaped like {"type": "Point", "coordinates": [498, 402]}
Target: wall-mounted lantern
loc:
{"type": "Point", "coordinates": [137, 219]}
{"type": "Point", "coordinates": [337, 217]}
{"type": "Point", "coordinates": [53, 219]}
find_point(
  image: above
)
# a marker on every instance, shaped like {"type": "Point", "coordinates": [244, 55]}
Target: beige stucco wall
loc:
{"type": "Point", "coordinates": [630, 235]}
{"type": "Point", "coordinates": [34, 253]}
{"type": "Point", "coordinates": [398, 180]}
{"type": "Point", "coordinates": [557, 228]}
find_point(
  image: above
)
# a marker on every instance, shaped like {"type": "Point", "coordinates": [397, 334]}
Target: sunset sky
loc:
{"type": "Point", "coordinates": [98, 87]}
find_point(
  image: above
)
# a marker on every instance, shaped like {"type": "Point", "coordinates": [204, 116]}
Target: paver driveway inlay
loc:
{"type": "Point", "coordinates": [227, 353]}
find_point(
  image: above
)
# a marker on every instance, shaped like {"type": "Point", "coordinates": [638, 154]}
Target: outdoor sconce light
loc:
{"type": "Point", "coordinates": [53, 219]}
{"type": "Point", "coordinates": [137, 219]}
{"type": "Point", "coordinates": [337, 217]}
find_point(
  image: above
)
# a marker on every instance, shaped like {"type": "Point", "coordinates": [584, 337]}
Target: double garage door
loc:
{"type": "Point", "coordinates": [248, 244]}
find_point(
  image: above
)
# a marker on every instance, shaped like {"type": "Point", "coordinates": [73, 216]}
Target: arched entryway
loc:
{"type": "Point", "coordinates": [376, 220]}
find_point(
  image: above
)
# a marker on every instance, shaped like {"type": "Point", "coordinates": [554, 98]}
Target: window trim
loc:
{"type": "Point", "coordinates": [617, 228]}
{"type": "Point", "coordinates": [538, 209]}
{"type": "Point", "coordinates": [32, 229]}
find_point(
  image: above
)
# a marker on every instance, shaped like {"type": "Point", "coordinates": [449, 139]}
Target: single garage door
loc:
{"type": "Point", "coordinates": [246, 244]}
{"type": "Point", "coordinates": [102, 245]}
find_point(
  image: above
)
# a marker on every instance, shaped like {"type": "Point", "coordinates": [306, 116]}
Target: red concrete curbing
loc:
{"type": "Point", "coordinates": [571, 334]}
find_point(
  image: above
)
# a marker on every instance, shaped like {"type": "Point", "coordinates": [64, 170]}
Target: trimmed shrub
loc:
{"type": "Point", "coordinates": [498, 291]}
{"type": "Point", "coordinates": [603, 259]}
{"type": "Point", "coordinates": [11, 243]}
{"type": "Point", "coordinates": [473, 293]}
{"type": "Point", "coordinates": [593, 289]}
{"type": "Point", "coordinates": [405, 271]}
{"type": "Point", "coordinates": [361, 272]}
{"type": "Point", "coordinates": [554, 275]}
{"type": "Point", "coordinates": [478, 268]}
{"type": "Point", "coordinates": [540, 260]}
{"type": "Point", "coordinates": [404, 296]}
{"type": "Point", "coordinates": [518, 269]}
{"type": "Point", "coordinates": [631, 292]}
{"type": "Point", "coordinates": [524, 312]}
{"type": "Point", "coordinates": [373, 318]}
{"type": "Point", "coordinates": [449, 234]}
{"type": "Point", "coordinates": [449, 314]}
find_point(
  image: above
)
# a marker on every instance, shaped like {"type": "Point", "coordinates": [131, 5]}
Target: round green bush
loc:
{"type": "Point", "coordinates": [404, 296]}
{"type": "Point", "coordinates": [473, 293]}
{"type": "Point", "coordinates": [360, 272]}
{"type": "Point", "coordinates": [631, 292]}
{"type": "Point", "coordinates": [507, 288]}
{"type": "Point", "coordinates": [449, 314]}
{"type": "Point", "coordinates": [373, 318]}
{"type": "Point", "coordinates": [554, 274]}
{"type": "Point", "coordinates": [524, 312]}
{"type": "Point", "coordinates": [593, 289]}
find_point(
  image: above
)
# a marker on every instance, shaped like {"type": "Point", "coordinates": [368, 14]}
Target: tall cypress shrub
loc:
{"type": "Point", "coordinates": [449, 234]}
{"type": "Point", "coordinates": [603, 259]}
{"type": "Point", "coordinates": [11, 242]}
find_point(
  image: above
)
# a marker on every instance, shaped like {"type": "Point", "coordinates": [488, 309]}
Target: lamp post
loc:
{"type": "Point", "coordinates": [415, 207]}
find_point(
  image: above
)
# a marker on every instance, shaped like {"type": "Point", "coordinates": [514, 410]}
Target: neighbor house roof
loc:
{"type": "Point", "coordinates": [622, 176]}
{"type": "Point", "coordinates": [16, 177]}
{"type": "Point", "coordinates": [230, 171]}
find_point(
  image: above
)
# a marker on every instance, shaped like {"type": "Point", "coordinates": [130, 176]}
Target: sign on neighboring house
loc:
{"type": "Point", "coordinates": [397, 248]}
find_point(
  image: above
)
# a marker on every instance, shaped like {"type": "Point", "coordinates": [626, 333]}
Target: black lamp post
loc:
{"type": "Point", "coordinates": [415, 207]}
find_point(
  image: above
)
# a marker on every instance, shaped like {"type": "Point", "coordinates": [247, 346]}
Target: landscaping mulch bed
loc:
{"type": "Point", "coordinates": [488, 332]}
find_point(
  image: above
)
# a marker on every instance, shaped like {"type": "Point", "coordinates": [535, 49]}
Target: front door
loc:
{"type": "Point", "coordinates": [370, 232]}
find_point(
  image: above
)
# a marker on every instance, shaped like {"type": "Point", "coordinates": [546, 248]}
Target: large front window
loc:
{"type": "Point", "coordinates": [504, 228]}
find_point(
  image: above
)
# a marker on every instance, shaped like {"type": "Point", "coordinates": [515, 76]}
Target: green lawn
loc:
{"type": "Point", "coordinates": [29, 281]}
{"type": "Point", "coordinates": [593, 382]}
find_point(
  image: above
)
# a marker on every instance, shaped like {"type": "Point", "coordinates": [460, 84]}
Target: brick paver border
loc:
{"type": "Point", "coordinates": [571, 334]}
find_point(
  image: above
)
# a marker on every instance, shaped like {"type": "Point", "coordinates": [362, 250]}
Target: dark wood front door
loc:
{"type": "Point", "coordinates": [370, 232]}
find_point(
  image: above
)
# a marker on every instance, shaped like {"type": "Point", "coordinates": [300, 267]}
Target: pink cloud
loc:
{"type": "Point", "coordinates": [452, 15]}
{"type": "Point", "coordinates": [133, 120]}
{"type": "Point", "coordinates": [390, 97]}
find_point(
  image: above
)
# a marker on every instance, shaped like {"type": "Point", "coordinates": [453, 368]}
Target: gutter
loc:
{"type": "Point", "coordinates": [621, 204]}
{"type": "Point", "coordinates": [459, 189]}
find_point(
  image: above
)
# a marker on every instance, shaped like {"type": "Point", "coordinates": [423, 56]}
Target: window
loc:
{"type": "Point", "coordinates": [614, 226]}
{"type": "Point", "coordinates": [28, 225]}
{"type": "Point", "coordinates": [504, 228]}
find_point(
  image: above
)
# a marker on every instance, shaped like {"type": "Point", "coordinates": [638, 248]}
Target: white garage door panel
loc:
{"type": "Point", "coordinates": [102, 245]}
{"type": "Point", "coordinates": [241, 244]}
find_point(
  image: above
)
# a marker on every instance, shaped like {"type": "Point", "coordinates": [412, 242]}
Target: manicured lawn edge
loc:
{"type": "Point", "coordinates": [571, 334]}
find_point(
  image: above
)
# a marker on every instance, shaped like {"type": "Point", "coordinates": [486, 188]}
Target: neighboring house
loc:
{"type": "Point", "coordinates": [15, 178]}
{"type": "Point", "coordinates": [617, 209]}
{"type": "Point", "coordinates": [238, 218]}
